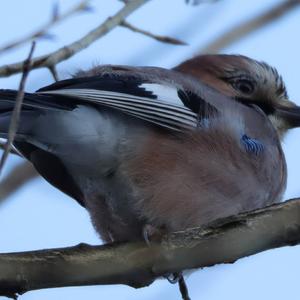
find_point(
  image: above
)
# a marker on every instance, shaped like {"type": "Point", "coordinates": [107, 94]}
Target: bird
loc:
{"type": "Point", "coordinates": [149, 150]}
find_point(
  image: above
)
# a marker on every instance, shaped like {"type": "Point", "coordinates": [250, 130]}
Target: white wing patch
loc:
{"type": "Point", "coordinates": [167, 110]}
{"type": "Point", "coordinates": [163, 92]}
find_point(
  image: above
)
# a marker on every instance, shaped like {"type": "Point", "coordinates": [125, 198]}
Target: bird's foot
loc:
{"type": "Point", "coordinates": [178, 278]}
{"type": "Point", "coordinates": [173, 278]}
{"type": "Point", "coordinates": [152, 234]}
{"type": "Point", "coordinates": [183, 288]}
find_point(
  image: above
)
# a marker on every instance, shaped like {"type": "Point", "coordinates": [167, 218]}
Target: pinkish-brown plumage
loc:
{"type": "Point", "coordinates": [169, 149]}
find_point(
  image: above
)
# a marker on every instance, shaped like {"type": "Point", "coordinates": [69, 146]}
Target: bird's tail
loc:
{"type": "Point", "coordinates": [33, 105]}
{"type": "Point", "coordinates": [31, 101]}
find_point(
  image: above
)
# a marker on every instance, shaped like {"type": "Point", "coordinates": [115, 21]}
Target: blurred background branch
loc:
{"type": "Point", "coordinates": [43, 32]}
{"type": "Point", "coordinates": [160, 38]}
{"type": "Point", "coordinates": [52, 59]}
{"type": "Point", "coordinates": [242, 30]}
{"type": "Point", "coordinates": [17, 177]}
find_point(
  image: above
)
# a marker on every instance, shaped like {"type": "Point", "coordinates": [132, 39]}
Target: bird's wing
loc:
{"type": "Point", "coordinates": [159, 103]}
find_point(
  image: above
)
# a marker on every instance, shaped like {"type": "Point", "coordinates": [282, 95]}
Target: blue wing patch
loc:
{"type": "Point", "coordinates": [252, 145]}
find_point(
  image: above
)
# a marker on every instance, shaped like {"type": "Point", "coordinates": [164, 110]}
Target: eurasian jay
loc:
{"type": "Point", "coordinates": [169, 149]}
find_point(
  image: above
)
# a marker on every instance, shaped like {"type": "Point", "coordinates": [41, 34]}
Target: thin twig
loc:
{"type": "Point", "coordinates": [53, 72]}
{"type": "Point", "coordinates": [160, 38]}
{"type": "Point", "coordinates": [17, 177]}
{"type": "Point", "coordinates": [12, 150]}
{"type": "Point", "coordinates": [197, 2]}
{"type": "Point", "coordinates": [66, 52]}
{"type": "Point", "coordinates": [43, 31]}
{"type": "Point", "coordinates": [242, 30]}
{"type": "Point", "coordinates": [136, 264]}
{"type": "Point", "coordinates": [183, 288]}
{"type": "Point", "coordinates": [14, 121]}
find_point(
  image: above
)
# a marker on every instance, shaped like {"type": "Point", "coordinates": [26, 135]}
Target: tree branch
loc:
{"type": "Point", "coordinates": [242, 30]}
{"type": "Point", "coordinates": [66, 52]}
{"type": "Point", "coordinates": [17, 177]}
{"type": "Point", "coordinates": [160, 38]}
{"type": "Point", "coordinates": [12, 150]}
{"type": "Point", "coordinates": [53, 72]}
{"type": "Point", "coordinates": [42, 32]}
{"type": "Point", "coordinates": [197, 2]}
{"type": "Point", "coordinates": [137, 265]}
{"type": "Point", "coordinates": [14, 121]}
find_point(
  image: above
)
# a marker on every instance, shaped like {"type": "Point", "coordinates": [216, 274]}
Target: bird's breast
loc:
{"type": "Point", "coordinates": [192, 179]}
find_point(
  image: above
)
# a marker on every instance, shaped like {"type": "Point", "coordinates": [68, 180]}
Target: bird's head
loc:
{"type": "Point", "coordinates": [249, 82]}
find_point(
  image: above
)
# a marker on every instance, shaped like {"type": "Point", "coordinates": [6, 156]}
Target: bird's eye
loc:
{"type": "Point", "coordinates": [245, 86]}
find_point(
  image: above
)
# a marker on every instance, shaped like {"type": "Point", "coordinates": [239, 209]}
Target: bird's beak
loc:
{"type": "Point", "coordinates": [291, 114]}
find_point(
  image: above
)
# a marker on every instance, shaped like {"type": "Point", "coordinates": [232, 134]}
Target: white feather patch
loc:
{"type": "Point", "coordinates": [163, 92]}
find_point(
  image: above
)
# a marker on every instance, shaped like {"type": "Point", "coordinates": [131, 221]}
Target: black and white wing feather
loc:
{"type": "Point", "coordinates": [161, 104]}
